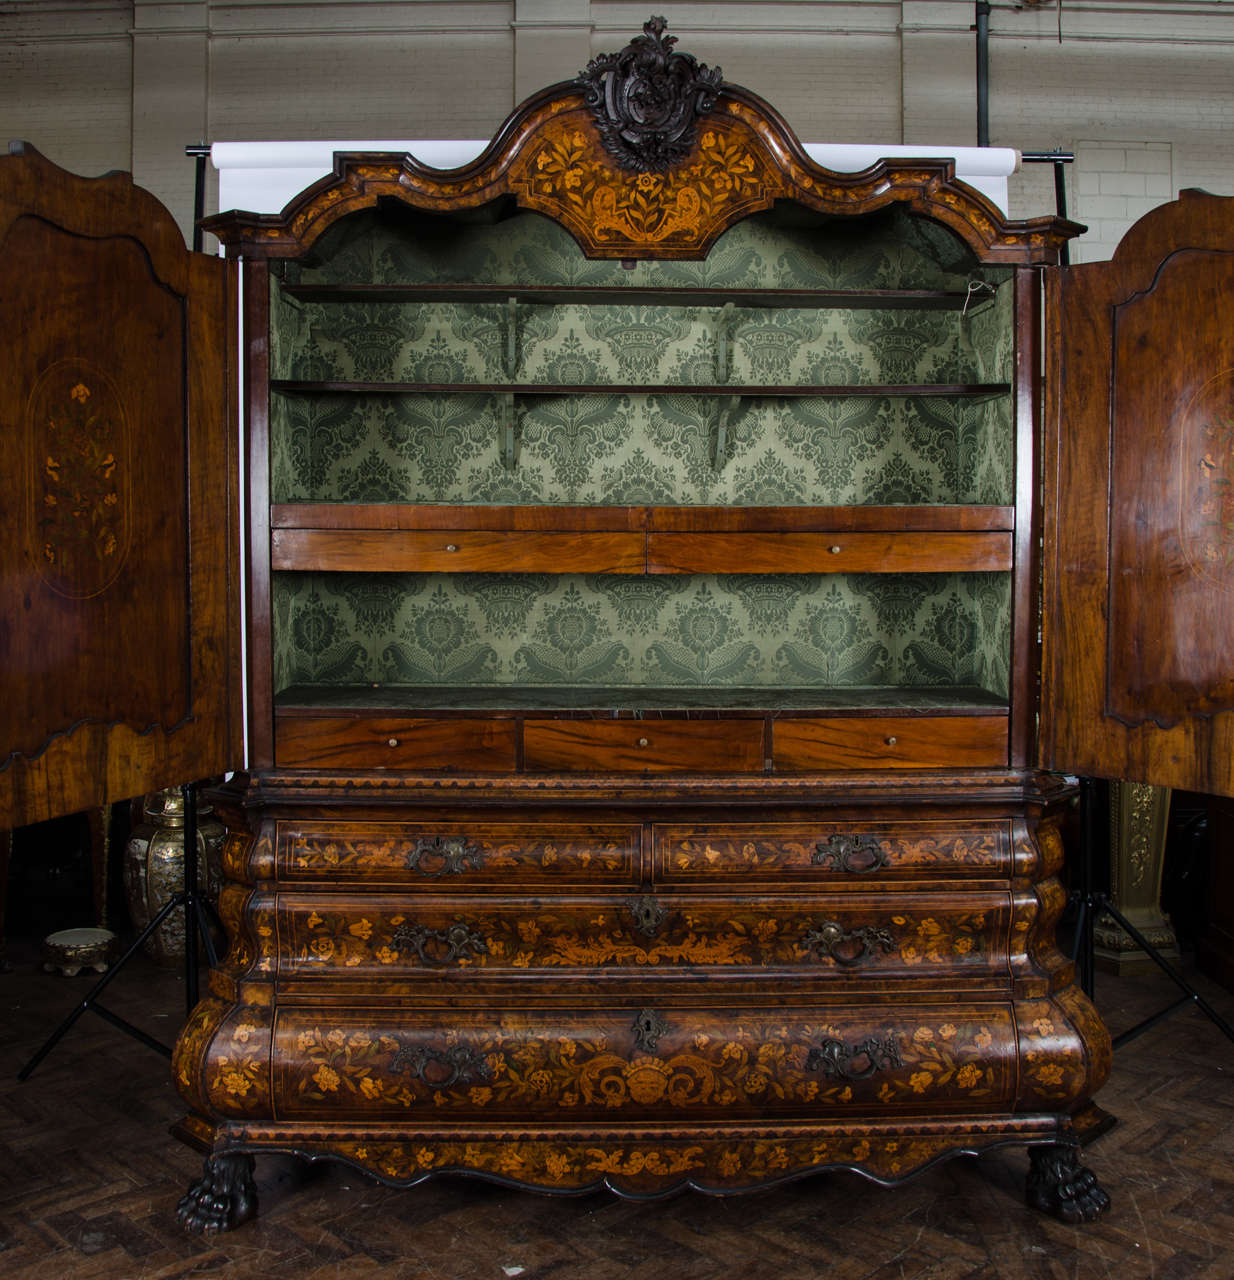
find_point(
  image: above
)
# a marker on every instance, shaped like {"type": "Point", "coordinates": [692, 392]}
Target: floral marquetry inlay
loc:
{"type": "Point", "coordinates": [436, 858]}
{"type": "Point", "coordinates": [320, 940]}
{"type": "Point", "coordinates": [738, 1063]}
{"type": "Point", "coordinates": [79, 482]}
{"type": "Point", "coordinates": [678, 211]}
{"type": "Point", "coordinates": [719, 851]}
{"type": "Point", "coordinates": [656, 1167]}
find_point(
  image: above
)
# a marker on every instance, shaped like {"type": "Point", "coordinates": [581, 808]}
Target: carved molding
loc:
{"type": "Point", "coordinates": [647, 100]}
{"type": "Point", "coordinates": [695, 164]}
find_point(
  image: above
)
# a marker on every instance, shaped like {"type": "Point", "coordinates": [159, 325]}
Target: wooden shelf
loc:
{"type": "Point", "coordinates": [334, 538]}
{"type": "Point", "coordinates": [679, 296]}
{"type": "Point", "coordinates": [629, 702]}
{"type": "Point", "coordinates": [952, 390]}
{"type": "Point", "coordinates": [580, 519]}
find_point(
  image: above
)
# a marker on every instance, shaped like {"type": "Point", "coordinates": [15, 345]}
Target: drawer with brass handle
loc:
{"type": "Point", "coordinates": [832, 854]}
{"type": "Point", "coordinates": [645, 1061]}
{"type": "Point", "coordinates": [391, 944]}
{"type": "Point", "coordinates": [453, 856]}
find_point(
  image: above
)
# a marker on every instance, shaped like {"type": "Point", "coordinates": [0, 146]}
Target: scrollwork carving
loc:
{"type": "Point", "coordinates": [647, 99]}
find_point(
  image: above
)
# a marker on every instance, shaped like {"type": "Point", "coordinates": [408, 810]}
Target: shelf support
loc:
{"type": "Point", "coordinates": [726, 415]}
{"type": "Point", "coordinates": [723, 319]}
{"type": "Point", "coordinates": [509, 429]}
{"type": "Point", "coordinates": [510, 361]}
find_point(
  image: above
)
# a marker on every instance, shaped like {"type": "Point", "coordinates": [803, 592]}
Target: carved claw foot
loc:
{"type": "Point", "coordinates": [222, 1198]}
{"type": "Point", "coordinates": [1058, 1184]}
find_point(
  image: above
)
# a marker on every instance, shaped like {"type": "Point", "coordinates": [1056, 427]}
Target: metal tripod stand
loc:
{"type": "Point", "coordinates": [195, 925]}
{"type": "Point", "coordinates": [1092, 903]}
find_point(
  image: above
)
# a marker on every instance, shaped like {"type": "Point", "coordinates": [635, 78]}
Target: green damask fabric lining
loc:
{"type": "Point", "coordinates": [537, 630]}
{"type": "Point", "coordinates": [789, 247]}
{"type": "Point", "coordinates": [620, 449]}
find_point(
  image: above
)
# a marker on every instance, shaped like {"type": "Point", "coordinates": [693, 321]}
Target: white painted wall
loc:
{"type": "Point", "coordinates": [1141, 90]}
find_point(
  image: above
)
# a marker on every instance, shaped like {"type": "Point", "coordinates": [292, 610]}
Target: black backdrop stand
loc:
{"type": "Point", "coordinates": [1093, 903]}
{"type": "Point", "coordinates": [195, 925]}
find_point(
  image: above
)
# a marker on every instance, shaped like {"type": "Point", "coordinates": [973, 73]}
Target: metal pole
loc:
{"type": "Point", "coordinates": [1084, 940]}
{"type": "Point", "coordinates": [1056, 158]}
{"type": "Point", "coordinates": [983, 73]}
{"type": "Point", "coordinates": [199, 151]}
{"type": "Point", "coordinates": [189, 792]}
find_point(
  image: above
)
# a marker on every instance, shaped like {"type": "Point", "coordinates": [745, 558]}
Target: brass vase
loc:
{"type": "Point", "coordinates": [154, 869]}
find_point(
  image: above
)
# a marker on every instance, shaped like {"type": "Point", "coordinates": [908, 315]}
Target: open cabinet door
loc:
{"type": "Point", "coordinates": [1138, 623]}
{"type": "Point", "coordinates": [119, 641]}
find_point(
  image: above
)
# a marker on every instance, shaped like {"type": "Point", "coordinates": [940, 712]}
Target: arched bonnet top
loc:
{"type": "Point", "coordinates": [646, 154]}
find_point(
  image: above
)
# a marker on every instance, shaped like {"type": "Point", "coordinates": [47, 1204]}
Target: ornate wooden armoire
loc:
{"type": "Point", "coordinates": [669, 567]}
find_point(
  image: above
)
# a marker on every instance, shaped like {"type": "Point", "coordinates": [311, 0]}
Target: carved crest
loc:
{"type": "Point", "coordinates": [647, 100]}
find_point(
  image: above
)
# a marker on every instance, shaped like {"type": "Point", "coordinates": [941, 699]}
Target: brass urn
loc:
{"type": "Point", "coordinates": [154, 869]}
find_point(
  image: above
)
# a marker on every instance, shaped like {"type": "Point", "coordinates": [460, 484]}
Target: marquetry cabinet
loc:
{"type": "Point", "coordinates": [668, 568]}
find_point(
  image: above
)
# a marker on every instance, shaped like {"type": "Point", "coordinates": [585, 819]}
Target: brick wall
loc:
{"type": "Point", "coordinates": [1146, 84]}
{"type": "Point", "coordinates": [1115, 184]}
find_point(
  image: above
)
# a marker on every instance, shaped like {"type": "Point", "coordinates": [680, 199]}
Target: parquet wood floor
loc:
{"type": "Point", "coordinates": [89, 1180]}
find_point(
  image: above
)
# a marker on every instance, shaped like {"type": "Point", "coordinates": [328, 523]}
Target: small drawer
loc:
{"type": "Point", "coordinates": [837, 854]}
{"type": "Point", "coordinates": [458, 857]}
{"type": "Point", "coordinates": [457, 551]}
{"type": "Point", "coordinates": [394, 946]}
{"type": "Point", "coordinates": [644, 746]}
{"type": "Point", "coordinates": [889, 742]}
{"type": "Point", "coordinates": [833, 552]}
{"type": "Point", "coordinates": [648, 1062]}
{"type": "Point", "coordinates": [393, 742]}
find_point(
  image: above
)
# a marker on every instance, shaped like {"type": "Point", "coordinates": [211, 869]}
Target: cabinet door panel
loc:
{"type": "Point", "coordinates": [1139, 569]}
{"type": "Point", "coordinates": [119, 662]}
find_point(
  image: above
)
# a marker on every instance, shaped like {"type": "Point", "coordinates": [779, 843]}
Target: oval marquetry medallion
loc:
{"type": "Point", "coordinates": [79, 479]}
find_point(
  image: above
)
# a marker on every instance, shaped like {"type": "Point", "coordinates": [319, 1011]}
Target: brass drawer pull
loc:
{"type": "Point", "coordinates": [857, 855]}
{"type": "Point", "coordinates": [891, 741]}
{"type": "Point", "coordinates": [643, 742]}
{"type": "Point", "coordinates": [441, 1069]}
{"type": "Point", "coordinates": [439, 946]}
{"type": "Point", "coordinates": [648, 914]}
{"type": "Point", "coordinates": [391, 742]}
{"type": "Point", "coordinates": [436, 856]}
{"type": "Point", "coordinates": [451, 546]}
{"type": "Point", "coordinates": [847, 947]}
{"type": "Point", "coordinates": [838, 1060]}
